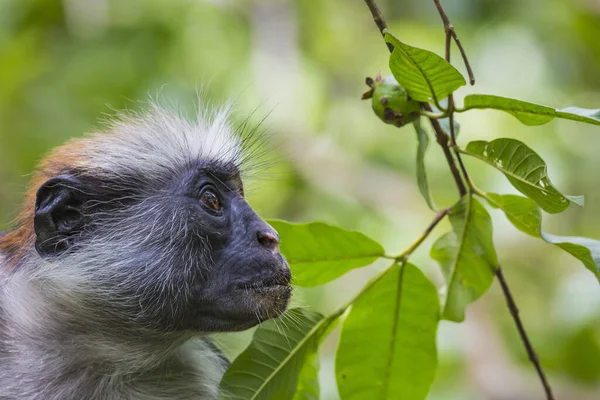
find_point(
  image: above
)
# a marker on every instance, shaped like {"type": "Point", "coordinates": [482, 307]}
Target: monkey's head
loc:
{"type": "Point", "coordinates": [146, 226]}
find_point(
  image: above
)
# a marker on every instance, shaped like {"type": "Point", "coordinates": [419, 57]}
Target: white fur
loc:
{"type": "Point", "coordinates": [161, 138]}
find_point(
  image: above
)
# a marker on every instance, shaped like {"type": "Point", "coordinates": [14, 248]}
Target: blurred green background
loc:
{"type": "Point", "coordinates": [66, 65]}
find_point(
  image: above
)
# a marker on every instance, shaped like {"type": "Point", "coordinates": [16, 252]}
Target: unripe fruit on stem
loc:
{"type": "Point", "coordinates": [390, 101]}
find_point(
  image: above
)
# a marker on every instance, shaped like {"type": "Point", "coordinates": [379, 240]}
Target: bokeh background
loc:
{"type": "Point", "coordinates": [66, 65]}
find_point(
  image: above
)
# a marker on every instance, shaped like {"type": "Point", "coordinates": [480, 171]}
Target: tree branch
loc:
{"type": "Point", "coordinates": [514, 311]}
{"type": "Point", "coordinates": [451, 33]}
{"type": "Point", "coordinates": [453, 139]}
{"type": "Point", "coordinates": [377, 16]}
{"type": "Point", "coordinates": [442, 139]}
{"type": "Point", "coordinates": [379, 20]}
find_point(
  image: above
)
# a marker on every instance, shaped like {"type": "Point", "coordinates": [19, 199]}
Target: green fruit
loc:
{"type": "Point", "coordinates": [390, 101]}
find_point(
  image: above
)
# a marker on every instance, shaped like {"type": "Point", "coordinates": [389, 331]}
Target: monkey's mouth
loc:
{"type": "Point", "coordinates": [273, 282]}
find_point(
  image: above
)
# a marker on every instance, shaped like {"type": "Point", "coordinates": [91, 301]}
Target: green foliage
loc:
{"type": "Point", "coordinates": [426, 76]}
{"type": "Point", "coordinates": [270, 366]}
{"type": "Point", "coordinates": [525, 169]}
{"type": "Point", "coordinates": [526, 216]}
{"type": "Point", "coordinates": [319, 253]}
{"type": "Point", "coordinates": [466, 256]}
{"type": "Point", "coordinates": [422, 182]}
{"type": "Point", "coordinates": [530, 113]}
{"type": "Point", "coordinates": [387, 348]}
{"type": "Point", "coordinates": [399, 316]}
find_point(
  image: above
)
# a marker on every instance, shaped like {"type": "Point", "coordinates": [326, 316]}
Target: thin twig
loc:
{"type": "Point", "coordinates": [403, 256]}
{"type": "Point", "coordinates": [448, 43]}
{"type": "Point", "coordinates": [442, 139]}
{"type": "Point", "coordinates": [377, 16]}
{"type": "Point", "coordinates": [379, 20]}
{"type": "Point", "coordinates": [399, 259]}
{"type": "Point", "coordinates": [514, 311]}
{"type": "Point", "coordinates": [451, 114]}
{"type": "Point", "coordinates": [451, 33]}
{"type": "Point", "coordinates": [453, 139]}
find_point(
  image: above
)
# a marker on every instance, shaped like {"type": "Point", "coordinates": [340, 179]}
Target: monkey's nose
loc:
{"type": "Point", "coordinates": [268, 240]}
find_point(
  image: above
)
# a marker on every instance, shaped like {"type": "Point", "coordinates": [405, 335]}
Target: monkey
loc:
{"type": "Point", "coordinates": [134, 246]}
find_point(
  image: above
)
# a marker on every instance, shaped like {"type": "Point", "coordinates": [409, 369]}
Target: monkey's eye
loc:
{"type": "Point", "coordinates": [211, 200]}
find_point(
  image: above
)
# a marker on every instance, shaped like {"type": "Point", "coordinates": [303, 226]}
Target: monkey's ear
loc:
{"type": "Point", "coordinates": [58, 214]}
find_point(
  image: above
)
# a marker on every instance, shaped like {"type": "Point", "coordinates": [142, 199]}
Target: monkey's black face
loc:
{"type": "Point", "coordinates": [187, 254]}
{"type": "Point", "coordinates": [248, 280]}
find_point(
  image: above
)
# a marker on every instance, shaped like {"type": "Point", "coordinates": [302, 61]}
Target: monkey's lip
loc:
{"type": "Point", "coordinates": [274, 282]}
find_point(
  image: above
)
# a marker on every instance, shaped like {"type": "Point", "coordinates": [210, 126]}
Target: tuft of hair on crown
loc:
{"type": "Point", "coordinates": [158, 137]}
{"type": "Point", "coordinates": [163, 137]}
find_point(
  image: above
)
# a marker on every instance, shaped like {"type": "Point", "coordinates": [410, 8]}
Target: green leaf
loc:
{"type": "Point", "coordinates": [319, 253]}
{"type": "Point", "coordinates": [423, 140]}
{"type": "Point", "coordinates": [531, 113]}
{"type": "Point", "coordinates": [580, 114]}
{"type": "Point", "coordinates": [467, 257]}
{"type": "Point", "coordinates": [308, 382]}
{"type": "Point", "coordinates": [522, 212]}
{"type": "Point", "coordinates": [584, 249]}
{"type": "Point", "coordinates": [525, 170]}
{"type": "Point", "coordinates": [526, 216]}
{"type": "Point", "coordinates": [387, 347]}
{"type": "Point", "coordinates": [270, 367]}
{"type": "Point", "coordinates": [527, 113]}
{"type": "Point", "coordinates": [426, 76]}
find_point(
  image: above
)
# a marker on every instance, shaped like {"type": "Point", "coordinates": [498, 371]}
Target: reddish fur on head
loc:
{"type": "Point", "coordinates": [18, 241]}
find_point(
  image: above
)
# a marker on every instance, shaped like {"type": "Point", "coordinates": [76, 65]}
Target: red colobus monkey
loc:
{"type": "Point", "coordinates": [133, 245]}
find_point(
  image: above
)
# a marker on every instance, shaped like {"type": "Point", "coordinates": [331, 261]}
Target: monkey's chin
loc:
{"type": "Point", "coordinates": [239, 309]}
{"type": "Point", "coordinates": [271, 301]}
{"type": "Point", "coordinates": [258, 304]}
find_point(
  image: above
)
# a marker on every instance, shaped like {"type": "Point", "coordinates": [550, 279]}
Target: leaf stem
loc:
{"type": "Point", "coordinates": [514, 311]}
{"type": "Point", "coordinates": [433, 115]}
{"type": "Point", "coordinates": [451, 33]}
{"type": "Point", "coordinates": [398, 259]}
{"type": "Point", "coordinates": [479, 192]}
{"type": "Point", "coordinates": [403, 256]}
